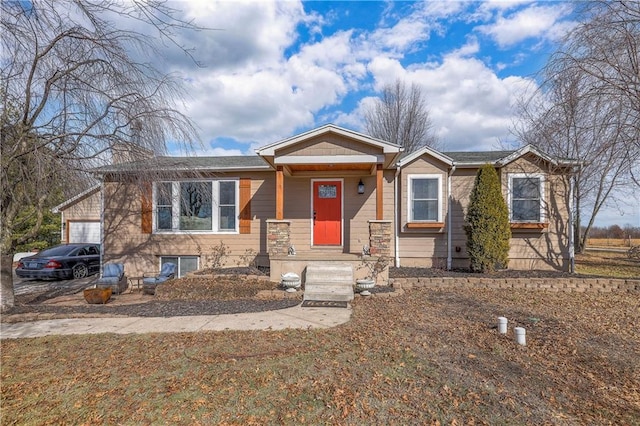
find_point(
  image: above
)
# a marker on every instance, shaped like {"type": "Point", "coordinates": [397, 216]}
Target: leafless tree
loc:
{"type": "Point", "coordinates": [77, 83]}
{"type": "Point", "coordinates": [401, 116]}
{"type": "Point", "coordinates": [588, 107]}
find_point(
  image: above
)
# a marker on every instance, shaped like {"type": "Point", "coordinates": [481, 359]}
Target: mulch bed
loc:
{"type": "Point", "coordinates": [157, 308]}
{"type": "Point", "coordinates": [190, 296]}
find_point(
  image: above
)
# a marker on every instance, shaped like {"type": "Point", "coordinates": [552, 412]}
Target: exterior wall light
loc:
{"type": "Point", "coordinates": [360, 187]}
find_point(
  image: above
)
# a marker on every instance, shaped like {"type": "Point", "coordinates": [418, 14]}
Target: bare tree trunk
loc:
{"type": "Point", "coordinates": [7, 299]}
{"type": "Point", "coordinates": [578, 229]}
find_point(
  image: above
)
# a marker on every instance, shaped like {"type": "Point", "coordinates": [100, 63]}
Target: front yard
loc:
{"type": "Point", "coordinates": [424, 357]}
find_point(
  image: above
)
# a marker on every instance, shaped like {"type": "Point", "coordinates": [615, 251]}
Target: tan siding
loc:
{"type": "Point", "coordinates": [548, 248]}
{"type": "Point", "coordinates": [358, 209]}
{"type": "Point", "coordinates": [81, 211]}
{"type": "Point", "coordinates": [422, 247]}
{"type": "Point", "coordinates": [87, 209]}
{"type": "Point", "coordinates": [529, 249]}
{"type": "Point", "coordinates": [297, 209]}
{"type": "Point", "coordinates": [329, 145]}
{"type": "Point", "coordinates": [125, 242]}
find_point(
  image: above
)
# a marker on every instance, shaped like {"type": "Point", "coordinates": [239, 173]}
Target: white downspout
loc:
{"type": "Point", "coordinates": [101, 222]}
{"type": "Point", "coordinates": [63, 229]}
{"type": "Point", "coordinates": [395, 216]}
{"type": "Point", "coordinates": [572, 260]}
{"type": "Point", "coordinates": [449, 238]}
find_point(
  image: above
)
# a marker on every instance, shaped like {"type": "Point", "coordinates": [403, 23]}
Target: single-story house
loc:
{"type": "Point", "coordinates": [327, 195]}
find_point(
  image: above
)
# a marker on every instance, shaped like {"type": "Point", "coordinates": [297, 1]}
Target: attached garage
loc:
{"type": "Point", "coordinates": [81, 217]}
{"type": "Point", "coordinates": [84, 232]}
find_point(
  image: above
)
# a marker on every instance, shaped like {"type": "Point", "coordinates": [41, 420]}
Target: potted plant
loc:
{"type": "Point", "coordinates": [374, 267]}
{"type": "Point", "coordinates": [97, 295]}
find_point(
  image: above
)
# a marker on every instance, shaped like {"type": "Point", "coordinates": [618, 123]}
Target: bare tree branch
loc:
{"type": "Point", "coordinates": [588, 107]}
{"type": "Point", "coordinates": [76, 89]}
{"type": "Point", "coordinates": [401, 116]}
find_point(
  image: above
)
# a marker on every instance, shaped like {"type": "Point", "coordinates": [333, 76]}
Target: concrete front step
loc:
{"type": "Point", "coordinates": [329, 282]}
{"type": "Point", "coordinates": [328, 292]}
{"type": "Point", "coordinates": [329, 273]}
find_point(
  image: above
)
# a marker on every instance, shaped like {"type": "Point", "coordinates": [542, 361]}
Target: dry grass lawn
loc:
{"type": "Point", "coordinates": [426, 357]}
{"type": "Point", "coordinates": [613, 242]}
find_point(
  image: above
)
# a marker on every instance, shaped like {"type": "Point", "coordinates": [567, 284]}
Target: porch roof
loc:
{"type": "Point", "coordinates": [387, 147]}
{"type": "Point", "coordinates": [344, 152]}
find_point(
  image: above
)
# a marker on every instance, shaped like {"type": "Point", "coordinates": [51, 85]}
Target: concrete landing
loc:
{"type": "Point", "coordinates": [295, 317]}
{"type": "Point", "coordinates": [329, 282]}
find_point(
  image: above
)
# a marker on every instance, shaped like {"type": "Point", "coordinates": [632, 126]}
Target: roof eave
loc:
{"type": "Point", "coordinates": [75, 199]}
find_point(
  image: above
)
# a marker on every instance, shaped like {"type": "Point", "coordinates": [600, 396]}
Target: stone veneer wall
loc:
{"type": "Point", "coordinates": [577, 284]}
{"type": "Point", "coordinates": [278, 237]}
{"type": "Point", "coordinates": [380, 237]}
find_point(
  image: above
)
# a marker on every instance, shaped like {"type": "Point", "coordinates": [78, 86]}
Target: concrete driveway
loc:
{"type": "Point", "coordinates": [55, 287]}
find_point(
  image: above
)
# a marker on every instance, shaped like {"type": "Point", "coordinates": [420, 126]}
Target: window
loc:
{"type": "Point", "coordinates": [425, 195]}
{"type": "Point", "coordinates": [164, 206]}
{"type": "Point", "coordinates": [195, 206]}
{"type": "Point", "coordinates": [527, 194]}
{"type": "Point", "coordinates": [185, 264]}
{"type": "Point", "coordinates": [199, 206]}
{"type": "Point", "coordinates": [227, 206]}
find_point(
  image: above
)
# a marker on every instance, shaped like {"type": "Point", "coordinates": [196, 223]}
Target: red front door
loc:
{"type": "Point", "coordinates": [327, 213]}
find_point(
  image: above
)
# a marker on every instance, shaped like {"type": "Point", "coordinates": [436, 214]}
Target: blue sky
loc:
{"type": "Point", "coordinates": [273, 69]}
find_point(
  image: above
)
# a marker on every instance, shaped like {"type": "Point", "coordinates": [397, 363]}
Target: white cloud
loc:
{"type": "Point", "coordinates": [242, 33]}
{"type": "Point", "coordinates": [470, 106]}
{"type": "Point", "coordinates": [261, 86]}
{"type": "Point", "coordinates": [533, 21]}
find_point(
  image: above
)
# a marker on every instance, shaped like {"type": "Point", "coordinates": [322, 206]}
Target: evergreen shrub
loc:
{"type": "Point", "coordinates": [487, 223]}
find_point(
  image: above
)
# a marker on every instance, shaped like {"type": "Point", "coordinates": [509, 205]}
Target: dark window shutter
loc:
{"type": "Point", "coordinates": [245, 205]}
{"type": "Point", "coordinates": [147, 210]}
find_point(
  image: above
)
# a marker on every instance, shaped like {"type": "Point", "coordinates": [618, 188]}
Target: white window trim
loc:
{"type": "Point", "coordinates": [179, 259]}
{"type": "Point", "coordinates": [410, 179]}
{"type": "Point", "coordinates": [215, 208]}
{"type": "Point", "coordinates": [542, 177]}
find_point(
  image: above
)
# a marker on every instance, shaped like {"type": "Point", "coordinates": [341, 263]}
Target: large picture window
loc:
{"type": "Point", "coordinates": [425, 197]}
{"type": "Point", "coordinates": [196, 206]}
{"type": "Point", "coordinates": [526, 197]}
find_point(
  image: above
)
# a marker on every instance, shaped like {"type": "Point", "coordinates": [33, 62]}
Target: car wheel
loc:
{"type": "Point", "coordinates": [80, 271]}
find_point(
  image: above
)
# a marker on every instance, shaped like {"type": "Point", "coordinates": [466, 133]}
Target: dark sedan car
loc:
{"type": "Point", "coordinates": [63, 262]}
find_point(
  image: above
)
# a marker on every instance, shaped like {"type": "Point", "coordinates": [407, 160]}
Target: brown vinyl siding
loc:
{"type": "Point", "coordinates": [126, 242]}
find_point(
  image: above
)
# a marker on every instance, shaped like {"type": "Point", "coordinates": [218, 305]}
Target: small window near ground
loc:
{"type": "Point", "coordinates": [526, 193]}
{"type": "Point", "coordinates": [424, 198]}
{"type": "Point", "coordinates": [185, 264]}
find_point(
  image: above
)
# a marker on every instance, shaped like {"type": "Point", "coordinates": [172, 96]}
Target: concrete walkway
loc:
{"type": "Point", "coordinates": [295, 317]}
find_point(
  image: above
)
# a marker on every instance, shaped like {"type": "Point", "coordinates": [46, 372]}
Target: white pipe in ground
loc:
{"type": "Point", "coordinates": [521, 336]}
{"type": "Point", "coordinates": [502, 325]}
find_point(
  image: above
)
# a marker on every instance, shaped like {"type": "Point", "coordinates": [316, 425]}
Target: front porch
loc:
{"type": "Point", "coordinates": [282, 259]}
{"type": "Point", "coordinates": [334, 198]}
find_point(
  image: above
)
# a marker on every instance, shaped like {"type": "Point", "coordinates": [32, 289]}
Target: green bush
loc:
{"type": "Point", "coordinates": [487, 228]}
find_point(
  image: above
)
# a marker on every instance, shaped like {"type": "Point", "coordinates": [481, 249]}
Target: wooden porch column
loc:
{"type": "Point", "coordinates": [379, 181]}
{"type": "Point", "coordinates": [279, 193]}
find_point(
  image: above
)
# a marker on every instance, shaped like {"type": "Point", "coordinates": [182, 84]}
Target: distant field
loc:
{"type": "Point", "coordinates": [607, 264]}
{"type": "Point", "coordinates": [613, 242]}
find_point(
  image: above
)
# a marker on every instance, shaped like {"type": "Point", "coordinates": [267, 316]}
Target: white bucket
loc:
{"type": "Point", "coordinates": [521, 336]}
{"type": "Point", "coordinates": [502, 325]}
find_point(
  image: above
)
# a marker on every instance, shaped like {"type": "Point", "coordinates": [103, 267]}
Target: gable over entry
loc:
{"type": "Point", "coordinates": [329, 151]}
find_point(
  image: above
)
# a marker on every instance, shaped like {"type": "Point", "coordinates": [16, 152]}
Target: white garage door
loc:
{"type": "Point", "coordinates": [84, 232]}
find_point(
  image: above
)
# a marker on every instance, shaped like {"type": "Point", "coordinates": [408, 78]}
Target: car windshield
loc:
{"type": "Point", "coordinates": [57, 251]}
